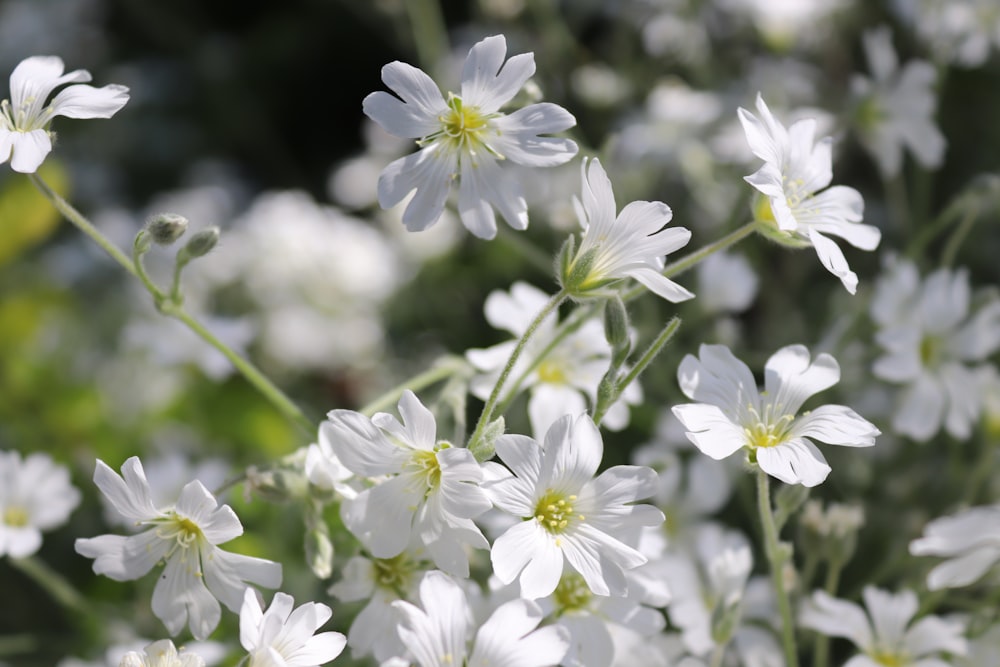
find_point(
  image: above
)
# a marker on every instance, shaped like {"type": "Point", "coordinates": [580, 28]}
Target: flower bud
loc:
{"type": "Point", "coordinates": [616, 323]}
{"type": "Point", "coordinates": [165, 228]}
{"type": "Point", "coordinates": [201, 243]}
{"type": "Point", "coordinates": [484, 446]}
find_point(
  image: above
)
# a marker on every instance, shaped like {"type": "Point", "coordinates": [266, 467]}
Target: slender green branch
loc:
{"type": "Point", "coordinates": [776, 558]}
{"type": "Point", "coordinates": [958, 236]}
{"type": "Point", "coordinates": [440, 371]}
{"type": "Point", "coordinates": [821, 650]}
{"type": "Point", "coordinates": [491, 402]}
{"type": "Point", "coordinates": [173, 309]}
{"type": "Point", "coordinates": [430, 35]}
{"type": "Point", "coordinates": [57, 586]}
{"type": "Point", "coordinates": [718, 653]}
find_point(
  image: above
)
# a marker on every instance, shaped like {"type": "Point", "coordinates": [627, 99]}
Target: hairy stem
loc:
{"type": "Point", "coordinates": [776, 558]}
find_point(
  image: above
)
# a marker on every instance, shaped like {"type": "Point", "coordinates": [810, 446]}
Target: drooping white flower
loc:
{"type": "Point", "coordinates": [161, 653]}
{"type": "Point", "coordinates": [284, 635]}
{"type": "Point", "coordinates": [436, 632]}
{"type": "Point", "coordinates": [569, 516]}
{"type": "Point", "coordinates": [796, 167]}
{"type": "Point", "coordinates": [197, 574]}
{"type": "Point", "coordinates": [25, 137]}
{"type": "Point", "coordinates": [35, 495]}
{"type": "Point", "coordinates": [935, 346]}
{"type": "Point", "coordinates": [731, 414]}
{"type": "Point", "coordinates": [466, 137]}
{"type": "Point", "coordinates": [425, 490]}
{"type": "Point", "coordinates": [566, 378]}
{"type": "Point", "coordinates": [886, 635]}
{"type": "Point", "coordinates": [896, 107]}
{"type": "Point", "coordinates": [615, 246]}
{"type": "Point", "coordinates": [969, 540]}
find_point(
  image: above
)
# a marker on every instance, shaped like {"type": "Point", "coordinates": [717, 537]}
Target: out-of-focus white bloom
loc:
{"type": "Point", "coordinates": [197, 574]}
{"type": "Point", "coordinates": [466, 137]}
{"type": "Point", "coordinates": [599, 85]}
{"type": "Point", "coordinates": [969, 540]}
{"type": "Point", "coordinates": [726, 283]}
{"type": "Point", "coordinates": [732, 414]}
{"type": "Point", "coordinates": [631, 245]}
{"type": "Point", "coordinates": [436, 633]}
{"type": "Point", "coordinates": [796, 167]}
{"type": "Point", "coordinates": [35, 495]}
{"type": "Point", "coordinates": [785, 24]}
{"type": "Point", "coordinates": [324, 470]}
{"type": "Point", "coordinates": [283, 636]}
{"type": "Point", "coordinates": [936, 347]}
{"type": "Point", "coordinates": [568, 376]}
{"type": "Point", "coordinates": [961, 32]}
{"type": "Point", "coordinates": [885, 635]}
{"type": "Point", "coordinates": [380, 581]}
{"type": "Point", "coordinates": [569, 516]}
{"type": "Point", "coordinates": [25, 137]}
{"type": "Point", "coordinates": [161, 653]}
{"type": "Point", "coordinates": [896, 107]}
{"type": "Point", "coordinates": [984, 650]}
{"type": "Point", "coordinates": [425, 490]}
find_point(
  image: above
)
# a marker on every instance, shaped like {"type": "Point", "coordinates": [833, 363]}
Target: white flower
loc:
{"type": "Point", "coordinates": [425, 490]}
{"type": "Point", "coordinates": [568, 514]}
{"type": "Point", "coordinates": [795, 168]}
{"type": "Point", "coordinates": [24, 119]}
{"type": "Point", "coordinates": [732, 414]}
{"type": "Point", "coordinates": [436, 634]}
{"type": "Point", "coordinates": [569, 374]}
{"type": "Point", "coordinates": [161, 653]}
{"type": "Point", "coordinates": [885, 636]}
{"type": "Point", "coordinates": [35, 495]}
{"type": "Point", "coordinates": [631, 245]}
{"type": "Point", "coordinates": [961, 32]}
{"type": "Point", "coordinates": [285, 637]}
{"type": "Point", "coordinates": [726, 283]}
{"type": "Point", "coordinates": [465, 137]}
{"type": "Point", "coordinates": [936, 347]}
{"type": "Point", "coordinates": [197, 574]}
{"type": "Point", "coordinates": [896, 107]}
{"type": "Point", "coordinates": [970, 540]}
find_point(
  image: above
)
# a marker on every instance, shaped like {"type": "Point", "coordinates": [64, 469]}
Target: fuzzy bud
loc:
{"type": "Point", "coordinates": [165, 228]}
{"type": "Point", "coordinates": [199, 245]}
{"type": "Point", "coordinates": [616, 323]}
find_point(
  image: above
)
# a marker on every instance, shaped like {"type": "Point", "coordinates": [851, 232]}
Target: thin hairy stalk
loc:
{"type": "Point", "coordinates": [430, 36]}
{"type": "Point", "coordinates": [821, 650]}
{"type": "Point", "coordinates": [776, 558]}
{"type": "Point", "coordinates": [440, 371]}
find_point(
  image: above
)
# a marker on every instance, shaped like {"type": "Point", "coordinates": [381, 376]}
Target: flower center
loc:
{"type": "Point", "coordinates": [550, 372]}
{"type": "Point", "coordinates": [424, 463]}
{"type": "Point", "coordinates": [16, 517]}
{"type": "Point", "coordinates": [395, 574]}
{"type": "Point", "coordinates": [555, 511]}
{"type": "Point", "coordinates": [182, 530]}
{"type": "Point", "coordinates": [572, 594]}
{"type": "Point", "coordinates": [24, 118]}
{"type": "Point", "coordinates": [889, 659]}
{"type": "Point", "coordinates": [930, 350]}
{"type": "Point", "coordinates": [464, 128]}
{"type": "Point", "coordinates": [769, 429]}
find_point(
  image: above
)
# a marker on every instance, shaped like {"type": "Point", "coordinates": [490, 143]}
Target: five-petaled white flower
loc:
{"type": "Point", "coordinates": [285, 637]}
{"type": "Point", "coordinates": [796, 167]}
{"type": "Point", "coordinates": [161, 653]}
{"type": "Point", "coordinates": [426, 491]}
{"type": "Point", "coordinates": [969, 540]}
{"type": "Point", "coordinates": [568, 514]}
{"type": "Point", "coordinates": [24, 119]}
{"type": "Point", "coordinates": [465, 137]}
{"type": "Point", "coordinates": [436, 635]}
{"type": "Point", "coordinates": [631, 245]}
{"type": "Point", "coordinates": [885, 635]}
{"type": "Point", "coordinates": [732, 414]}
{"type": "Point", "coordinates": [198, 575]}
{"type": "Point", "coordinates": [35, 495]}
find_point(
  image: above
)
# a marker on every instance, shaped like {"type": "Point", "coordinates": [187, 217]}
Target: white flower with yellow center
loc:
{"type": "Point", "coordinates": [25, 137]}
{"type": "Point", "coordinates": [425, 491]}
{"type": "Point", "coordinates": [35, 495]}
{"type": "Point", "coordinates": [568, 515]}
{"type": "Point", "coordinates": [465, 137]}
{"type": "Point", "coordinates": [197, 574]}
{"type": "Point", "coordinates": [284, 635]}
{"type": "Point", "coordinates": [731, 414]}
{"type": "Point", "coordinates": [794, 211]}
{"type": "Point", "coordinates": [161, 653]}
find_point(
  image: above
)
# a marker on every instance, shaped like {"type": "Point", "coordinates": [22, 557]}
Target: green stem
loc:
{"type": "Point", "coordinates": [647, 357]}
{"type": "Point", "coordinates": [173, 309]}
{"type": "Point", "coordinates": [436, 373]}
{"type": "Point", "coordinates": [958, 236]}
{"type": "Point", "coordinates": [17, 644]}
{"type": "Point", "coordinates": [688, 261]}
{"type": "Point", "coordinates": [821, 650]}
{"type": "Point", "coordinates": [491, 402]}
{"type": "Point", "coordinates": [899, 202]}
{"type": "Point", "coordinates": [776, 558]}
{"type": "Point", "coordinates": [54, 584]}
{"type": "Point", "coordinates": [718, 653]}
{"type": "Point", "coordinates": [430, 36]}
{"type": "Point", "coordinates": [140, 272]}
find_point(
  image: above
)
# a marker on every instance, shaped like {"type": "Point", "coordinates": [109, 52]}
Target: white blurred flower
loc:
{"type": "Point", "coordinates": [896, 107]}
{"type": "Point", "coordinates": [961, 32]}
{"type": "Point", "coordinates": [569, 515]}
{"type": "Point", "coordinates": [733, 414]}
{"type": "Point", "coordinates": [726, 283]}
{"type": "Point", "coordinates": [161, 653]}
{"type": "Point", "coordinates": [466, 137]}
{"type": "Point", "coordinates": [969, 540]}
{"type": "Point", "coordinates": [283, 636]}
{"type": "Point", "coordinates": [796, 167]}
{"type": "Point", "coordinates": [197, 574]}
{"type": "Point", "coordinates": [885, 635]}
{"type": "Point", "coordinates": [35, 495]}
{"type": "Point", "coordinates": [25, 137]}
{"type": "Point", "coordinates": [935, 346]}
